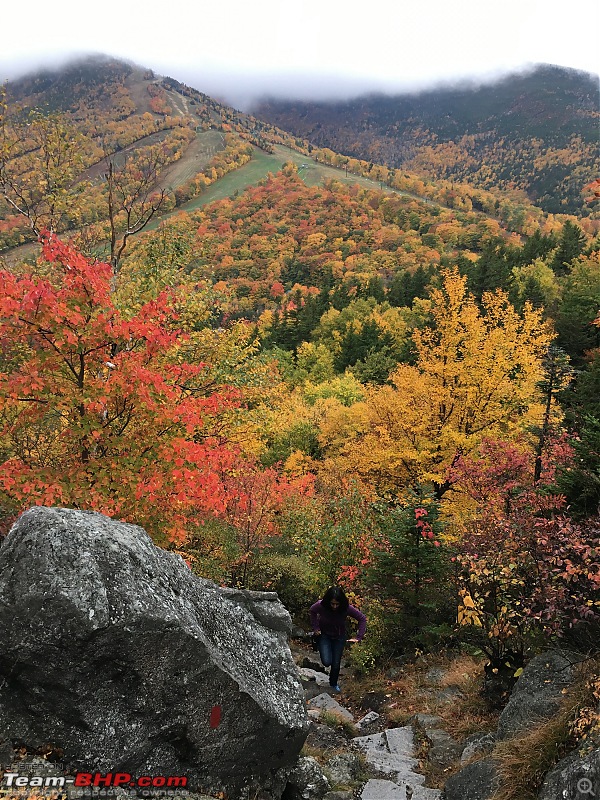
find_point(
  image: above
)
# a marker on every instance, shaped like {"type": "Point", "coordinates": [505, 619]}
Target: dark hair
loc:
{"type": "Point", "coordinates": [335, 593]}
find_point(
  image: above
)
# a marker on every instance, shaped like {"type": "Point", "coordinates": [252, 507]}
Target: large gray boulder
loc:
{"type": "Point", "coordinates": [536, 697]}
{"type": "Point", "coordinates": [538, 692]}
{"type": "Point", "coordinates": [116, 654]}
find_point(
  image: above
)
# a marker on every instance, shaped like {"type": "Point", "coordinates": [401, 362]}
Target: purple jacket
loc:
{"type": "Point", "coordinates": [333, 624]}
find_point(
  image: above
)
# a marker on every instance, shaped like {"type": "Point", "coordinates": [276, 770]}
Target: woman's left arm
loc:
{"type": "Point", "coordinates": [362, 621]}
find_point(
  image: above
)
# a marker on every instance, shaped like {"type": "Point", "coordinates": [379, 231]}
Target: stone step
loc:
{"type": "Point", "coordinates": [376, 789]}
{"type": "Point", "coordinates": [399, 768]}
{"type": "Point", "coordinates": [400, 740]}
{"type": "Point", "coordinates": [373, 740]}
{"type": "Point", "coordinates": [391, 752]}
{"type": "Point", "coordinates": [325, 702]}
{"type": "Point", "coordinates": [319, 678]}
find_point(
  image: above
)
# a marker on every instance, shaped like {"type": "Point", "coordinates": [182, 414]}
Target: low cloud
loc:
{"type": "Point", "coordinates": [17, 68]}
{"type": "Point", "coordinates": [246, 90]}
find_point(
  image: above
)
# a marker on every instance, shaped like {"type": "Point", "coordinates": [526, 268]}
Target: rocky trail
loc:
{"type": "Point", "coordinates": [380, 763]}
{"type": "Point", "coordinates": [350, 755]}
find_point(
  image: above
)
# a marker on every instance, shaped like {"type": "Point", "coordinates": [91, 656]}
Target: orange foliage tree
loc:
{"type": "Point", "coordinates": [92, 413]}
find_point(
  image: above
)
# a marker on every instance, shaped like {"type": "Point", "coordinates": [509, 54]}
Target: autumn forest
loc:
{"type": "Point", "coordinates": [341, 369]}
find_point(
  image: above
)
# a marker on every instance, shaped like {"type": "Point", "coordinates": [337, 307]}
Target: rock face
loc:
{"type": "Point", "coordinates": [478, 744]}
{"type": "Point", "coordinates": [577, 775]}
{"type": "Point", "coordinates": [343, 768]}
{"type": "Point", "coordinates": [477, 781]}
{"type": "Point", "coordinates": [535, 697]}
{"type": "Point", "coordinates": [115, 653]}
{"type": "Point", "coordinates": [306, 781]}
{"type": "Point", "coordinates": [538, 692]}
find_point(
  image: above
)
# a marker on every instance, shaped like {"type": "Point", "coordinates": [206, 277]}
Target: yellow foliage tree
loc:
{"type": "Point", "coordinates": [476, 376]}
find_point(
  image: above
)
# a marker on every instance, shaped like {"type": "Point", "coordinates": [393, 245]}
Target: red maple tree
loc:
{"type": "Point", "coordinates": [93, 412]}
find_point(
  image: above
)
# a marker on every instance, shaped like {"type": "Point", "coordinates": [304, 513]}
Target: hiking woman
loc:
{"type": "Point", "coordinates": [328, 620]}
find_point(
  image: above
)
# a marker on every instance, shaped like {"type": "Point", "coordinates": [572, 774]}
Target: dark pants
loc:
{"type": "Point", "coordinates": [330, 650]}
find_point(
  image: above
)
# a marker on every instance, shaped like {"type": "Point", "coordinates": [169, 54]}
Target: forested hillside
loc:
{"type": "Point", "coordinates": [86, 142]}
{"type": "Point", "coordinates": [533, 134]}
{"type": "Point", "coordinates": [392, 385]}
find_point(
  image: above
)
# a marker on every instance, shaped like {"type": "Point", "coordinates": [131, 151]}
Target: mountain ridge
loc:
{"type": "Point", "coordinates": [535, 131]}
{"type": "Point", "coordinates": [121, 107]}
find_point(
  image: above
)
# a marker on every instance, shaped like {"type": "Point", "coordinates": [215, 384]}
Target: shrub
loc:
{"type": "Point", "coordinates": [288, 575]}
{"type": "Point", "coordinates": [409, 571]}
{"type": "Point", "coordinates": [365, 657]}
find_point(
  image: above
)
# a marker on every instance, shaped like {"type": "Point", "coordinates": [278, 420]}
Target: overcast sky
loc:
{"type": "Point", "coordinates": [240, 49]}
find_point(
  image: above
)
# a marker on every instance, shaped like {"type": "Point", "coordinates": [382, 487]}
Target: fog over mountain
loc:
{"type": "Point", "coordinates": [308, 49]}
{"type": "Point", "coordinates": [246, 90]}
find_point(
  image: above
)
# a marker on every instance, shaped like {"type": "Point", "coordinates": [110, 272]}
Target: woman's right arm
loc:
{"type": "Point", "coordinates": [314, 616]}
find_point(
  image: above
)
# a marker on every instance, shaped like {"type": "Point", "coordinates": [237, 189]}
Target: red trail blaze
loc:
{"type": "Point", "coordinates": [215, 716]}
